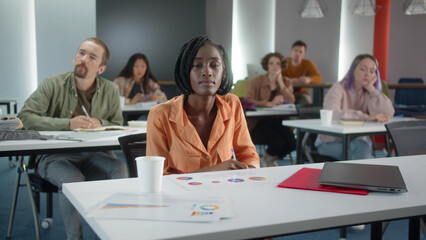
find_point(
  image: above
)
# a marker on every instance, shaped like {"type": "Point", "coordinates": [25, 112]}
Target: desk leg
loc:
{"type": "Point", "coordinates": [345, 147]}
{"type": "Point", "coordinates": [343, 233]}
{"type": "Point", "coordinates": [14, 200]}
{"type": "Point", "coordinates": [22, 170]}
{"type": "Point", "coordinates": [299, 159]}
{"type": "Point", "coordinates": [414, 228]}
{"type": "Point", "coordinates": [376, 231]}
{"type": "Point", "coordinates": [33, 205]}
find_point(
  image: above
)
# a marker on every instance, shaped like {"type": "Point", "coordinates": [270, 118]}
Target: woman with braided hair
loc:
{"type": "Point", "coordinates": [200, 130]}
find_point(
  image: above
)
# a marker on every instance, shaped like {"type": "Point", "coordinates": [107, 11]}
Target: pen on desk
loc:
{"type": "Point", "coordinates": [399, 116]}
{"type": "Point", "coordinates": [233, 154]}
{"type": "Point", "coordinates": [234, 158]}
{"type": "Point", "coordinates": [286, 102]}
{"type": "Point", "coordinates": [85, 111]}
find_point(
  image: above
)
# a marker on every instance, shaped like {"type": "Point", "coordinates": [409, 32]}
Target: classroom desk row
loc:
{"type": "Point", "coordinates": [66, 141]}
{"type": "Point", "coordinates": [346, 132]}
{"type": "Point", "coordinates": [62, 142]}
{"type": "Point", "coordinates": [261, 209]}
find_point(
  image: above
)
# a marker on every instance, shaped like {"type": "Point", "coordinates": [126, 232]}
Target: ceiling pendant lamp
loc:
{"type": "Point", "coordinates": [363, 7]}
{"type": "Point", "coordinates": [412, 7]}
{"type": "Point", "coordinates": [313, 9]}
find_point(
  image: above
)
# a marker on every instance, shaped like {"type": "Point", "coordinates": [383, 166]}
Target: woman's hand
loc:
{"type": "Point", "coordinates": [231, 164]}
{"type": "Point", "coordinates": [137, 98]}
{"type": "Point", "coordinates": [279, 99]}
{"type": "Point", "coordinates": [380, 117]}
{"type": "Point", "coordinates": [280, 81]}
{"type": "Point", "coordinates": [370, 86]}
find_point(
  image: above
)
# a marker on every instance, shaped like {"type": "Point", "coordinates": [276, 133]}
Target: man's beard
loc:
{"type": "Point", "coordinates": [79, 72]}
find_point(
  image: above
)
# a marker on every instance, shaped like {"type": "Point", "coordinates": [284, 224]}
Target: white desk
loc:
{"type": "Point", "coordinates": [271, 113]}
{"type": "Point", "coordinates": [335, 129]}
{"type": "Point", "coordinates": [277, 111]}
{"type": "Point", "coordinates": [138, 108]}
{"type": "Point", "coordinates": [262, 210]}
{"type": "Point", "coordinates": [95, 141]}
{"type": "Point", "coordinates": [91, 141]}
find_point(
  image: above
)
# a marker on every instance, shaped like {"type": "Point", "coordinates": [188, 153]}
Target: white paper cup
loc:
{"type": "Point", "coordinates": [122, 101]}
{"type": "Point", "coordinates": [326, 116]}
{"type": "Point", "coordinates": [150, 173]}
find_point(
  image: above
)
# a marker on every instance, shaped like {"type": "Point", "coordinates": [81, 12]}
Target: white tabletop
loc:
{"type": "Point", "coordinates": [89, 140]}
{"type": "Point", "coordinates": [279, 110]}
{"type": "Point", "coordinates": [335, 127]}
{"type": "Point", "coordinates": [139, 107]}
{"type": "Point", "coordinates": [261, 210]}
{"type": "Point", "coordinates": [267, 113]}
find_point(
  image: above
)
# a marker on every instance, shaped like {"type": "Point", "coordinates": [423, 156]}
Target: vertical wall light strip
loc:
{"type": "Point", "coordinates": [32, 54]}
{"type": "Point", "coordinates": [237, 66]}
{"type": "Point", "coordinates": [273, 22]}
{"type": "Point", "coordinates": [343, 52]}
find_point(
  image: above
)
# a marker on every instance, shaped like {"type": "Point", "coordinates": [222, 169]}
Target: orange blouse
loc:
{"type": "Point", "coordinates": [170, 134]}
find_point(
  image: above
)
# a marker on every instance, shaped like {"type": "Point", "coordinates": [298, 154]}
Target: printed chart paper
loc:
{"type": "Point", "coordinates": [161, 207]}
{"type": "Point", "coordinates": [215, 180]}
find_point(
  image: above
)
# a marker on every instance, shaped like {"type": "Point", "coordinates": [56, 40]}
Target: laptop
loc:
{"type": "Point", "coordinates": [382, 178]}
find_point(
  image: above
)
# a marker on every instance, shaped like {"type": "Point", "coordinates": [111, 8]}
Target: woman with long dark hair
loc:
{"type": "Point", "coordinates": [137, 83]}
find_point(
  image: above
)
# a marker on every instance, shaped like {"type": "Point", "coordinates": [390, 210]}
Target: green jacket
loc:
{"type": "Point", "coordinates": [52, 105]}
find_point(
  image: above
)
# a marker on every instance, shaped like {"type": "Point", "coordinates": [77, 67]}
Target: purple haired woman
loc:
{"type": "Point", "coordinates": [358, 96]}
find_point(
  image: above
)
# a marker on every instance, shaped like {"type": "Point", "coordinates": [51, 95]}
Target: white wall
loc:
{"type": "Point", "coordinates": [18, 61]}
{"type": "Point", "coordinates": [321, 35]}
{"type": "Point", "coordinates": [253, 33]}
{"type": "Point", "coordinates": [407, 44]}
{"type": "Point", "coordinates": [356, 37]}
{"type": "Point", "coordinates": [218, 19]}
{"type": "Point", "coordinates": [60, 28]}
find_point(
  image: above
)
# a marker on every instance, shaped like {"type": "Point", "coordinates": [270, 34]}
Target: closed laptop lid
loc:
{"type": "Point", "coordinates": [384, 178]}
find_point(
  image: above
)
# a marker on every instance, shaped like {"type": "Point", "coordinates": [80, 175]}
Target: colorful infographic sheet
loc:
{"type": "Point", "coordinates": [161, 207]}
{"type": "Point", "coordinates": [219, 180]}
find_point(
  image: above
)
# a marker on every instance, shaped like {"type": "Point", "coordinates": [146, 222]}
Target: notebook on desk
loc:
{"type": "Point", "coordinates": [382, 178]}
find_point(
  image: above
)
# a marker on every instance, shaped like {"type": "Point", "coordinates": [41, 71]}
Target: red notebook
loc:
{"type": "Point", "coordinates": [307, 178]}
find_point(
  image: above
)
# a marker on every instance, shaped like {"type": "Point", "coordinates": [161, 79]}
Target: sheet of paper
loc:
{"type": "Point", "coordinates": [105, 128]}
{"type": "Point", "coordinates": [161, 207]}
{"type": "Point", "coordinates": [282, 107]}
{"type": "Point", "coordinates": [87, 136]}
{"type": "Point", "coordinates": [215, 180]}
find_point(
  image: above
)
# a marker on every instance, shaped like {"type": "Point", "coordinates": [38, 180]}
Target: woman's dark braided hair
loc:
{"type": "Point", "coordinates": [185, 62]}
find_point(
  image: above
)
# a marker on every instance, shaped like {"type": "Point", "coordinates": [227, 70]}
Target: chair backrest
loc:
{"type": "Point", "coordinates": [240, 88]}
{"type": "Point", "coordinates": [133, 146]}
{"type": "Point", "coordinates": [410, 96]}
{"type": "Point", "coordinates": [408, 137]}
{"type": "Point", "coordinates": [385, 88]}
{"type": "Point", "coordinates": [306, 111]}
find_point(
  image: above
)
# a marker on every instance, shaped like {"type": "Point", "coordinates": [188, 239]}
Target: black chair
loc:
{"type": "Point", "coordinates": [35, 185]}
{"type": "Point", "coordinates": [310, 111]}
{"type": "Point", "coordinates": [410, 102]}
{"type": "Point", "coordinates": [133, 146]}
{"type": "Point", "coordinates": [409, 138]}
